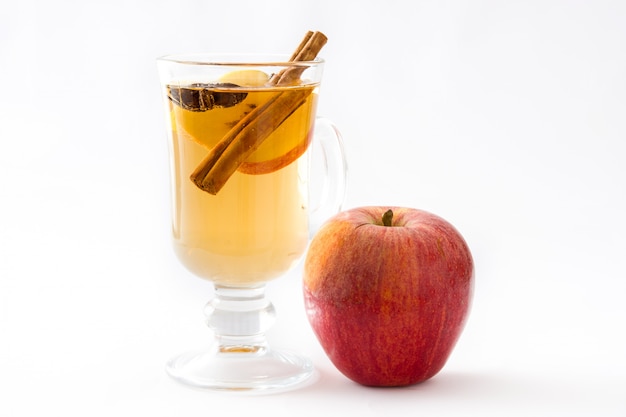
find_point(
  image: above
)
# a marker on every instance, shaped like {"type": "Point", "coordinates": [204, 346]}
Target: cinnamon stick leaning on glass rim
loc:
{"type": "Point", "coordinates": [248, 134]}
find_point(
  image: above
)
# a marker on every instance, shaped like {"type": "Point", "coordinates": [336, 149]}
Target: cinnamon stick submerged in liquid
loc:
{"type": "Point", "coordinates": [247, 135]}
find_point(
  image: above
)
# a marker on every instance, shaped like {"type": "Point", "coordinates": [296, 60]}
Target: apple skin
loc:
{"type": "Point", "coordinates": [388, 303]}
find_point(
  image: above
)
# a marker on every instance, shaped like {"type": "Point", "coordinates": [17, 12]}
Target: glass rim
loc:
{"type": "Point", "coordinates": [236, 59]}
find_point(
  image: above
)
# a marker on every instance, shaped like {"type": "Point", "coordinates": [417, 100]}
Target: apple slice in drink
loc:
{"type": "Point", "coordinates": [283, 146]}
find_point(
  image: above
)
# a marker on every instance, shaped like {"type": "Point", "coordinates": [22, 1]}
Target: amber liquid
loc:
{"type": "Point", "coordinates": [256, 227]}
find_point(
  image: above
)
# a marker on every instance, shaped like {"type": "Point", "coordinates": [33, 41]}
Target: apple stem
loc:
{"type": "Point", "coordinates": [387, 217]}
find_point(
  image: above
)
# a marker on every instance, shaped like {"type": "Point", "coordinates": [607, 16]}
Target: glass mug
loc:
{"type": "Point", "coordinates": [243, 179]}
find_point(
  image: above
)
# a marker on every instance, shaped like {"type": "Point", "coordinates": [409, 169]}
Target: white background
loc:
{"type": "Point", "coordinates": [507, 118]}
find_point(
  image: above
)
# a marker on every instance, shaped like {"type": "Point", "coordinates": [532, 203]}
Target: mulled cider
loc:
{"type": "Point", "coordinates": [252, 226]}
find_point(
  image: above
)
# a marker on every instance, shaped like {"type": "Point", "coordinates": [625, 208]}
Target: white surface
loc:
{"type": "Point", "coordinates": [506, 118]}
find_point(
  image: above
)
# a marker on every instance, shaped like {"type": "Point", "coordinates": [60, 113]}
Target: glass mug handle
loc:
{"type": "Point", "coordinates": [328, 156]}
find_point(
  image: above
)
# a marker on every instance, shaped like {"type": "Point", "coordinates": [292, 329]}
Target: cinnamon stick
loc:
{"type": "Point", "coordinates": [243, 139]}
{"type": "Point", "coordinates": [308, 49]}
{"type": "Point", "coordinates": [302, 45]}
{"type": "Point", "coordinates": [248, 134]}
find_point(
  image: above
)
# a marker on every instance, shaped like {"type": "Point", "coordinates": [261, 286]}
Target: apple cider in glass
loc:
{"type": "Point", "coordinates": [240, 127]}
{"type": "Point", "coordinates": [256, 226]}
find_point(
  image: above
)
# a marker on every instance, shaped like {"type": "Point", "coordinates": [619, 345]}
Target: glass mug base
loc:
{"type": "Point", "coordinates": [240, 359]}
{"type": "Point", "coordinates": [261, 370]}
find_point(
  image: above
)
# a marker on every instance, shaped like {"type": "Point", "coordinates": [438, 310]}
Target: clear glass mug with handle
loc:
{"type": "Point", "coordinates": [241, 142]}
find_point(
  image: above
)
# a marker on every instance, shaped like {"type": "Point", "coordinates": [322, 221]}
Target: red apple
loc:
{"type": "Point", "coordinates": [387, 292]}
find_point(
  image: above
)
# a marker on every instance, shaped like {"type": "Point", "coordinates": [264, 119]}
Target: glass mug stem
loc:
{"type": "Point", "coordinates": [239, 318]}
